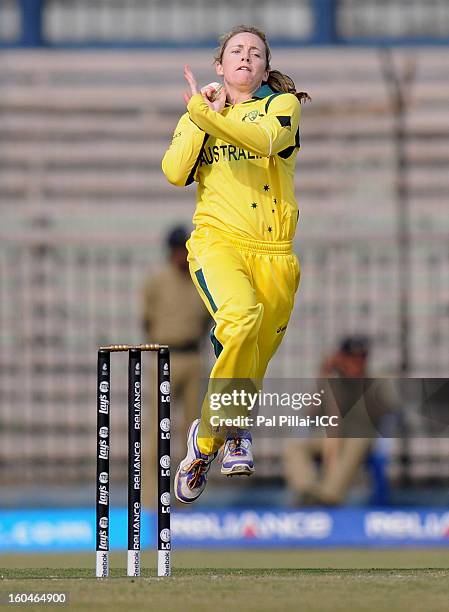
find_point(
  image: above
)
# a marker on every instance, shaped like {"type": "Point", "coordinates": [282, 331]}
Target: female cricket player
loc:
{"type": "Point", "coordinates": [239, 141]}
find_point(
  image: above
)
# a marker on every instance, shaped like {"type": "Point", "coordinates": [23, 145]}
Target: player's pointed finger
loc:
{"type": "Point", "coordinates": [188, 75]}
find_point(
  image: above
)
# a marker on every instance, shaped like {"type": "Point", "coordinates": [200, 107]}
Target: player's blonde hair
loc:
{"type": "Point", "coordinates": [276, 79]}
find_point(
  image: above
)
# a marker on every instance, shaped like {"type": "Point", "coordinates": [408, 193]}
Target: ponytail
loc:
{"type": "Point", "coordinates": [283, 83]}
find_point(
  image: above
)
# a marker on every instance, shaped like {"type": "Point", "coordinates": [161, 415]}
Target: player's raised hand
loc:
{"type": "Point", "coordinates": [213, 94]}
{"type": "Point", "coordinates": [191, 80]}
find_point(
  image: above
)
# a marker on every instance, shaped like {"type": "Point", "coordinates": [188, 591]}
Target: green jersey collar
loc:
{"type": "Point", "coordinates": [263, 91]}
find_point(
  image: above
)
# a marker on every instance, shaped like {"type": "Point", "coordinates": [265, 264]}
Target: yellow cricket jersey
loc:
{"type": "Point", "coordinates": [244, 161]}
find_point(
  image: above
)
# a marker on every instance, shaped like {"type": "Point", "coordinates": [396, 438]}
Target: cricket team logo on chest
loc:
{"type": "Point", "coordinates": [252, 115]}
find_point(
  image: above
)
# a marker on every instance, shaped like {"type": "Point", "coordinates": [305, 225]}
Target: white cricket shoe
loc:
{"type": "Point", "coordinates": [191, 475]}
{"type": "Point", "coordinates": [238, 456]}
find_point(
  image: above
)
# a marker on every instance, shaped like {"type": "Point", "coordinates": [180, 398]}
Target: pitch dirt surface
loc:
{"type": "Point", "coordinates": [253, 581]}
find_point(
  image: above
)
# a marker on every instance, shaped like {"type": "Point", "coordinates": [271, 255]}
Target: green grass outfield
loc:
{"type": "Point", "coordinates": [242, 581]}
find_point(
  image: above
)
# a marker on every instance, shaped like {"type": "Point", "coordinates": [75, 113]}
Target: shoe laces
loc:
{"type": "Point", "coordinates": [198, 467]}
{"type": "Point", "coordinates": [235, 446]}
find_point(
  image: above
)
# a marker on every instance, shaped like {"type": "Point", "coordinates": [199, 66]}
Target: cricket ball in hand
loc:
{"type": "Point", "coordinates": [218, 87]}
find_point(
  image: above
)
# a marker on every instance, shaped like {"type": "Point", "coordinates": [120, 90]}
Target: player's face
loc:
{"type": "Point", "coordinates": [243, 64]}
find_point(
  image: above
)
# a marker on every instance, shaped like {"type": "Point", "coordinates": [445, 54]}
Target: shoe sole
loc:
{"type": "Point", "coordinates": [238, 470]}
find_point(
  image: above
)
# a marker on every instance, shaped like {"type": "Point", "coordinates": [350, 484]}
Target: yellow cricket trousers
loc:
{"type": "Point", "coordinates": [249, 289]}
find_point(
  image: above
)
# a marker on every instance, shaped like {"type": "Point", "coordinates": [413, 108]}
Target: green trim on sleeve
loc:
{"type": "Point", "coordinates": [271, 98]}
{"type": "Point", "coordinates": [190, 178]}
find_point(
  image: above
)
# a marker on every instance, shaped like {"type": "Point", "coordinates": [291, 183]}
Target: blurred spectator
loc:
{"type": "Point", "coordinates": [173, 314]}
{"type": "Point", "coordinates": [320, 470]}
{"type": "Point", "coordinates": [349, 361]}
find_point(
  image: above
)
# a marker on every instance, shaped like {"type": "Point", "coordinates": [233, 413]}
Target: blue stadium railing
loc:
{"type": "Point", "coordinates": [324, 31]}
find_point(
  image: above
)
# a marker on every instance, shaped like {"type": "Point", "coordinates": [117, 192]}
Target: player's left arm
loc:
{"type": "Point", "coordinates": [273, 133]}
